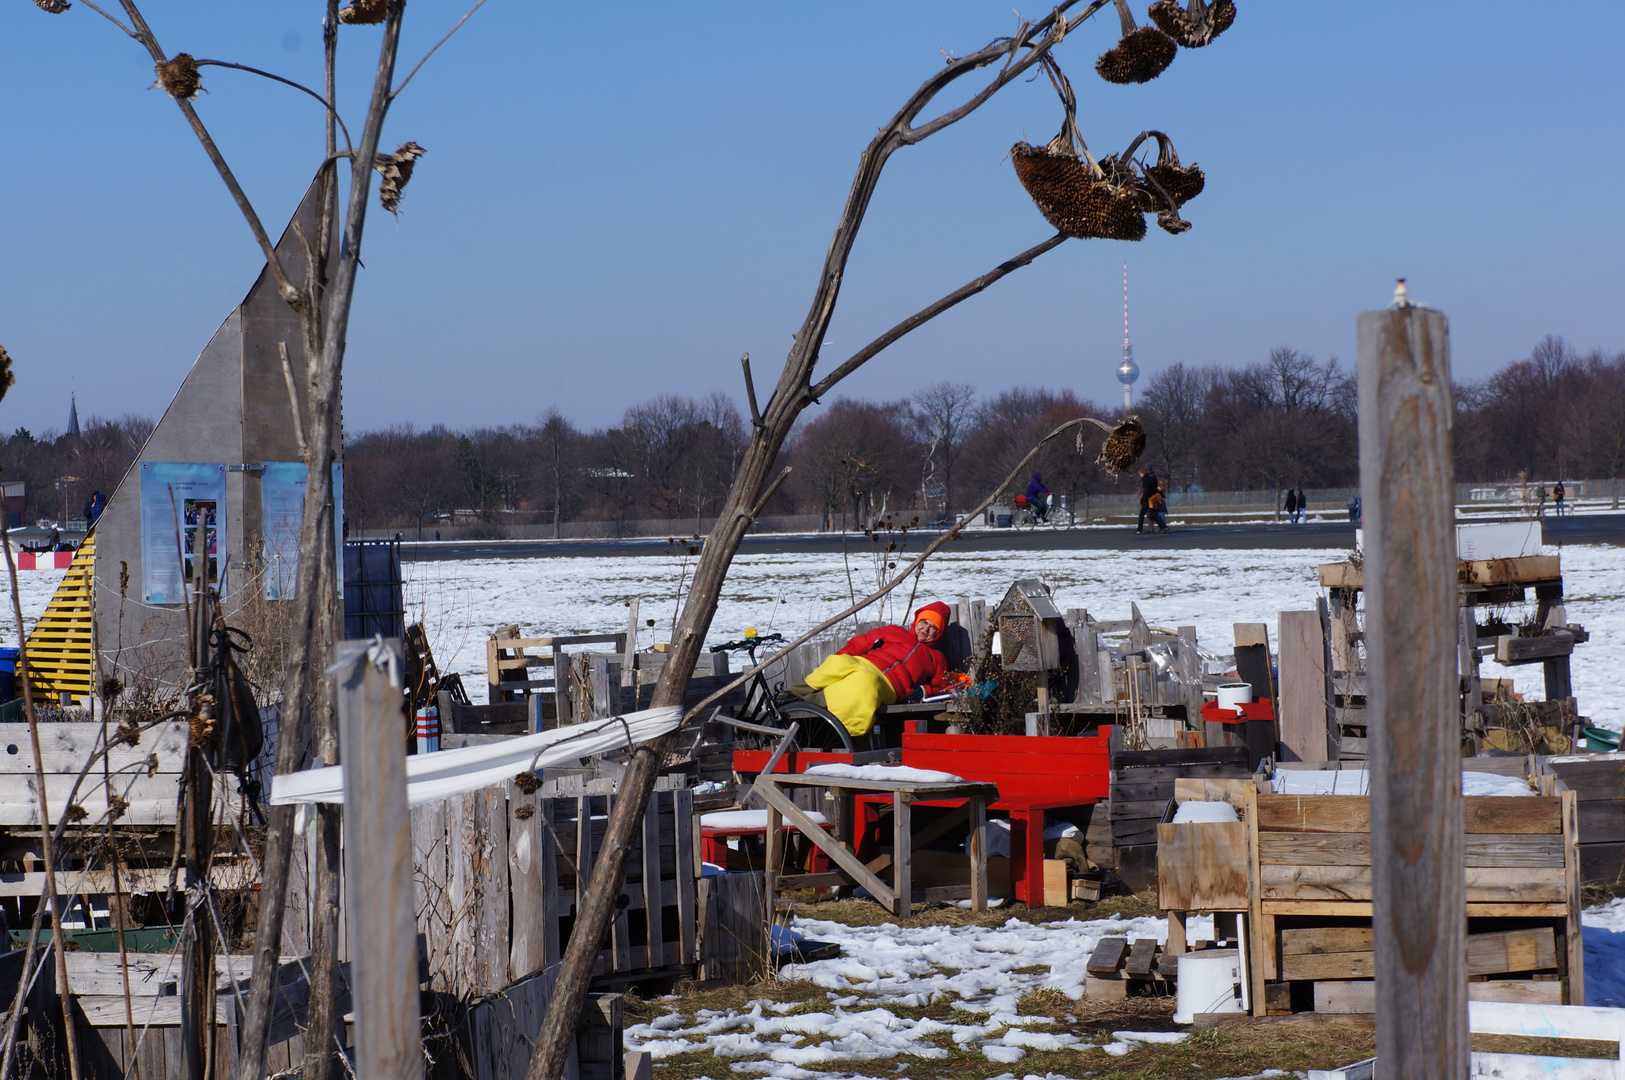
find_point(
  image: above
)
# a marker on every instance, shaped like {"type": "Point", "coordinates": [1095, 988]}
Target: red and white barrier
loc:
{"type": "Point", "coordinates": [45, 560]}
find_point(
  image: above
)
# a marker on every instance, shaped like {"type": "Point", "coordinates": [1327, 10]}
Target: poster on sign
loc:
{"type": "Point", "coordinates": [282, 506]}
{"type": "Point", "coordinates": [183, 529]}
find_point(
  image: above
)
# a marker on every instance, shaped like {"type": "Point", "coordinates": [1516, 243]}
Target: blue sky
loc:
{"type": "Point", "coordinates": [618, 200]}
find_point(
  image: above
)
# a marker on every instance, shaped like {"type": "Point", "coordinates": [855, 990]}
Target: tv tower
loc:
{"type": "Point", "coordinates": [1128, 370]}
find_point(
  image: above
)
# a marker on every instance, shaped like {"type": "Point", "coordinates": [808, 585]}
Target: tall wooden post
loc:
{"type": "Point", "coordinates": [378, 861]}
{"type": "Point", "coordinates": [1418, 882]}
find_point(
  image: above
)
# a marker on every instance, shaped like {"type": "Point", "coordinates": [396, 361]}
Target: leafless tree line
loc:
{"type": "Point", "coordinates": [1284, 421]}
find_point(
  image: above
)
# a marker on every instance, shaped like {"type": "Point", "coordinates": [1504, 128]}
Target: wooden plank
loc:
{"type": "Point", "coordinates": [553, 900]}
{"type": "Point", "coordinates": [1149, 808]}
{"type": "Point", "coordinates": [653, 910]}
{"type": "Point", "coordinates": [379, 852]}
{"type": "Point", "coordinates": [1522, 570]}
{"type": "Point", "coordinates": [1203, 866]}
{"type": "Point", "coordinates": [1211, 755]}
{"type": "Point", "coordinates": [1354, 849]}
{"type": "Point", "coordinates": [1141, 958]}
{"type": "Point", "coordinates": [1572, 931]}
{"type": "Point", "coordinates": [1352, 813]}
{"type": "Point", "coordinates": [462, 854]}
{"type": "Point", "coordinates": [1056, 893]}
{"type": "Point", "coordinates": [1338, 965]}
{"type": "Point", "coordinates": [64, 748]}
{"type": "Point", "coordinates": [1404, 419]}
{"type": "Point", "coordinates": [686, 871]}
{"type": "Point", "coordinates": [1509, 951]}
{"type": "Point", "coordinates": [1345, 997]}
{"type": "Point", "coordinates": [1491, 885]}
{"type": "Point", "coordinates": [1108, 957]}
{"type": "Point", "coordinates": [976, 846]}
{"type": "Point", "coordinates": [1326, 939]}
{"type": "Point", "coordinates": [1517, 991]}
{"type": "Point", "coordinates": [902, 848]}
{"type": "Point", "coordinates": [528, 907]}
{"type": "Point", "coordinates": [842, 856]}
{"type": "Point", "coordinates": [431, 890]}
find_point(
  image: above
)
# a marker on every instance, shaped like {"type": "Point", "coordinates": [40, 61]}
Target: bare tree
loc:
{"type": "Point", "coordinates": [947, 409]}
{"type": "Point", "coordinates": [320, 288]}
{"type": "Point", "coordinates": [754, 483]}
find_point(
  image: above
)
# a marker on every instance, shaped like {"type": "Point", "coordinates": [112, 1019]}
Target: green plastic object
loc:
{"type": "Point", "coordinates": [143, 939]}
{"type": "Point", "coordinates": [1601, 739]}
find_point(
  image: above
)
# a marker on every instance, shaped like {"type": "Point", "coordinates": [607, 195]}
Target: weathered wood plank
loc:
{"type": "Point", "coordinates": [528, 908]}
{"type": "Point", "coordinates": [1484, 884]}
{"type": "Point", "coordinates": [1108, 957]}
{"type": "Point", "coordinates": [1352, 813]}
{"type": "Point", "coordinates": [1354, 849]}
{"type": "Point", "coordinates": [1326, 939]}
{"type": "Point", "coordinates": [1203, 867]}
{"type": "Point", "coordinates": [432, 891]}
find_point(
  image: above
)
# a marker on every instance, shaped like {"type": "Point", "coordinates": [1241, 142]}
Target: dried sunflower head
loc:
{"type": "Point", "coordinates": [178, 75]}
{"type": "Point", "coordinates": [1143, 53]}
{"type": "Point", "coordinates": [364, 12]}
{"type": "Point", "coordinates": [1123, 446]}
{"type": "Point", "coordinates": [1195, 25]}
{"type": "Point", "coordinates": [55, 7]}
{"type": "Point", "coordinates": [396, 169]}
{"type": "Point", "coordinates": [6, 377]}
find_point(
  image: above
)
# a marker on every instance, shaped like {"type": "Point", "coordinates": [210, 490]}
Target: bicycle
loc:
{"type": "Point", "coordinates": [769, 711]}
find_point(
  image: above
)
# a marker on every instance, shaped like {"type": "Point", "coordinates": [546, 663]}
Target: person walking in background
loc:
{"type": "Point", "coordinates": [1148, 488]}
{"type": "Point", "coordinates": [1158, 502]}
{"type": "Point", "coordinates": [1291, 506]}
{"type": "Point", "coordinates": [1557, 498]}
{"type": "Point", "coordinates": [1540, 508]}
{"type": "Point", "coordinates": [1303, 507]}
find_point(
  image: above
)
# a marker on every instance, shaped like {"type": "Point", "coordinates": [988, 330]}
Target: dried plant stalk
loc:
{"type": "Point", "coordinates": [179, 76]}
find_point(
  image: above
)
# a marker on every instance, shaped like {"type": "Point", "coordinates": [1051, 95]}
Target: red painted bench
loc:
{"type": "Point", "coordinates": [1034, 773]}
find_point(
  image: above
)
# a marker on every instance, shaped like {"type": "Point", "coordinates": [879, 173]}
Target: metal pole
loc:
{"type": "Point", "coordinates": [1418, 881]}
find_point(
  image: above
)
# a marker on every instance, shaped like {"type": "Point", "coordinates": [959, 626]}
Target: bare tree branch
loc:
{"type": "Point", "coordinates": [286, 82]}
{"type": "Point", "coordinates": [110, 18]}
{"type": "Point", "coordinates": [926, 314]}
{"type": "Point", "coordinates": [447, 37]}
{"type": "Point", "coordinates": [902, 575]}
{"type": "Point", "coordinates": [294, 298]}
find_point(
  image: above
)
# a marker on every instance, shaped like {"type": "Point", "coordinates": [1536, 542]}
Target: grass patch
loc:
{"type": "Point", "coordinates": [866, 912]}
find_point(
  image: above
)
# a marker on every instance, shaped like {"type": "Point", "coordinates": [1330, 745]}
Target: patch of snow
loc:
{"type": "Point", "coordinates": [1005, 1054]}
{"type": "Point", "coordinates": [747, 819]}
{"type": "Point", "coordinates": [1196, 810]}
{"type": "Point", "coordinates": [885, 772]}
{"type": "Point", "coordinates": [1358, 782]}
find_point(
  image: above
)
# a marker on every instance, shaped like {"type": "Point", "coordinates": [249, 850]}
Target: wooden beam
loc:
{"type": "Point", "coordinates": [768, 789]}
{"type": "Point", "coordinates": [379, 854]}
{"type": "Point", "coordinates": [1407, 488]}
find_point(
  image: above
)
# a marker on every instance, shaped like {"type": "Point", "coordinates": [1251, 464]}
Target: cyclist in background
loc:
{"type": "Point", "coordinates": [1036, 501]}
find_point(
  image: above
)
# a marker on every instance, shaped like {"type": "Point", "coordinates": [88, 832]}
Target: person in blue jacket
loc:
{"type": "Point", "coordinates": [1036, 492]}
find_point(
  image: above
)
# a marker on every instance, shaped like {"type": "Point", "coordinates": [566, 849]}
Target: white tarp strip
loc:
{"type": "Point", "coordinates": [432, 777]}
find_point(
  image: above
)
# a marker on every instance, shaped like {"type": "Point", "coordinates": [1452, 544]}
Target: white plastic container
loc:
{"type": "Point", "coordinates": [1210, 981]}
{"type": "Point", "coordinates": [1232, 694]}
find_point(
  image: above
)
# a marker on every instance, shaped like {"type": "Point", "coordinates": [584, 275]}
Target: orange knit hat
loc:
{"type": "Point", "coordinates": [936, 614]}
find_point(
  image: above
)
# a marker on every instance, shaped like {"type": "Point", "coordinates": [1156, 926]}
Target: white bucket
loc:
{"type": "Point", "coordinates": [1232, 694]}
{"type": "Point", "coordinates": [1209, 982]}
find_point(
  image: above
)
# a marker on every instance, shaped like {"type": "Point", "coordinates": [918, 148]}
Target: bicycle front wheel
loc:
{"type": "Point", "coordinates": [819, 729]}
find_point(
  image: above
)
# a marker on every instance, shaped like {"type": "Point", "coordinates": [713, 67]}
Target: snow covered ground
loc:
{"type": "Point", "coordinates": [979, 971]}
{"type": "Point", "coordinates": [460, 603]}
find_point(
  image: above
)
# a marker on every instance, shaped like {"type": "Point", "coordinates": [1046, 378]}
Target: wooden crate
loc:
{"type": "Point", "coordinates": [1309, 895]}
{"type": "Point", "coordinates": [1598, 783]}
{"type": "Point", "coordinates": [1142, 782]}
{"type": "Point", "coordinates": [655, 920]}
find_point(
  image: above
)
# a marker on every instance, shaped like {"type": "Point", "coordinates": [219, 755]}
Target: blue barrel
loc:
{"type": "Point", "coordinates": [8, 674]}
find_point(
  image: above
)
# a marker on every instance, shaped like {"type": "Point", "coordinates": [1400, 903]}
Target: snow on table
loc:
{"type": "Point", "coordinates": [883, 772]}
{"type": "Point", "coordinates": [976, 969]}
{"type": "Point", "coordinates": [748, 819]}
{"type": "Point", "coordinates": [460, 603]}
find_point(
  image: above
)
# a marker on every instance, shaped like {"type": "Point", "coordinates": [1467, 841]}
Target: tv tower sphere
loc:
{"type": "Point", "coordinates": [1127, 370]}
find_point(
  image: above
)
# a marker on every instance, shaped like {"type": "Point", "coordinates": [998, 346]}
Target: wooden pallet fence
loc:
{"type": "Point", "coordinates": [734, 940]}
{"type": "Point", "coordinates": [655, 922]}
{"type": "Point", "coordinates": [1142, 782]}
{"type": "Point", "coordinates": [499, 1030]}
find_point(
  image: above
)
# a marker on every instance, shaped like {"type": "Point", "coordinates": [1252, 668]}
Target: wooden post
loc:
{"type": "Point", "coordinates": [902, 855]}
{"type": "Point", "coordinates": [1418, 881]}
{"type": "Point", "coordinates": [629, 653]}
{"type": "Point", "coordinates": [379, 854]}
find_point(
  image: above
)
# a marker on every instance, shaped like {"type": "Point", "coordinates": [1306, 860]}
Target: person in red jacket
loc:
{"type": "Point", "coordinates": [882, 667]}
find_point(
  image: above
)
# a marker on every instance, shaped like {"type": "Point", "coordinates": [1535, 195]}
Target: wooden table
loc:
{"type": "Point", "coordinates": [898, 896]}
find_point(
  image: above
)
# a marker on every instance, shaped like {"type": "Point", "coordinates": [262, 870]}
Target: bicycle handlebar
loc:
{"type": "Point", "coordinates": [747, 643]}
